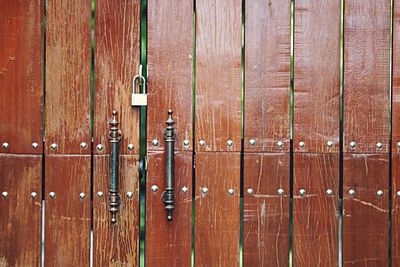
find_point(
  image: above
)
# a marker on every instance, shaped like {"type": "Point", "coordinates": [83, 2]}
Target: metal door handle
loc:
{"type": "Point", "coordinates": [169, 137]}
{"type": "Point", "coordinates": [114, 199]}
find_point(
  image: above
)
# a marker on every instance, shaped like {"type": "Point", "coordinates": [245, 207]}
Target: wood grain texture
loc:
{"type": "Point", "coordinates": [366, 75]}
{"type": "Point", "coordinates": [317, 75]}
{"type": "Point", "coordinates": [67, 217]}
{"type": "Point", "coordinates": [267, 75]}
{"type": "Point", "coordinates": [68, 76]}
{"type": "Point", "coordinates": [395, 223]}
{"type": "Point", "coordinates": [217, 214]}
{"type": "Point", "coordinates": [170, 56]}
{"type": "Point", "coordinates": [315, 215]}
{"type": "Point", "coordinates": [365, 216]}
{"type": "Point", "coordinates": [266, 213]}
{"type": "Point", "coordinates": [116, 244]}
{"type": "Point", "coordinates": [20, 214]}
{"type": "Point", "coordinates": [117, 54]}
{"type": "Point", "coordinates": [21, 75]}
{"type": "Point", "coordinates": [396, 77]}
{"type": "Point", "coordinates": [218, 74]}
{"type": "Point", "coordinates": [169, 243]}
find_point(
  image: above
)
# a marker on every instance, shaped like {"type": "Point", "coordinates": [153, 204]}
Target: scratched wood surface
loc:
{"type": "Point", "coordinates": [217, 213]}
{"type": "Point", "coordinates": [267, 75]}
{"type": "Point", "coordinates": [117, 54]}
{"type": "Point", "coordinates": [68, 76]}
{"type": "Point", "coordinates": [395, 222]}
{"type": "Point", "coordinates": [365, 216]}
{"type": "Point", "coordinates": [315, 215]}
{"type": "Point", "coordinates": [21, 75]}
{"type": "Point", "coordinates": [67, 223]}
{"type": "Point", "coordinates": [218, 74]}
{"type": "Point", "coordinates": [266, 212]}
{"type": "Point", "coordinates": [169, 243]}
{"type": "Point", "coordinates": [20, 213]}
{"type": "Point", "coordinates": [116, 244]}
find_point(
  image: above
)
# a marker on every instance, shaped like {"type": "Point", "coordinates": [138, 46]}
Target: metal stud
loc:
{"type": "Point", "coordinates": [252, 142]}
{"type": "Point", "coordinates": [352, 192]}
{"type": "Point", "coordinates": [250, 191]}
{"type": "Point", "coordinates": [99, 147]}
{"type": "Point", "coordinates": [302, 144]}
{"type": "Point", "coordinates": [131, 147]}
{"type": "Point", "coordinates": [280, 144]}
{"type": "Point", "coordinates": [33, 194]}
{"type": "Point", "coordinates": [82, 195]}
{"type": "Point", "coordinates": [280, 191]}
{"type": "Point", "coordinates": [379, 145]}
{"type": "Point", "coordinates": [302, 192]}
{"type": "Point", "coordinates": [398, 145]}
{"type": "Point", "coordinates": [155, 142]}
{"type": "Point", "coordinates": [353, 144]}
{"type": "Point", "coordinates": [100, 194]}
{"type": "Point", "coordinates": [154, 188]}
{"type": "Point", "coordinates": [83, 145]}
{"type": "Point", "coordinates": [129, 194]}
{"type": "Point", "coordinates": [204, 190]}
{"type": "Point", "coordinates": [4, 194]}
{"type": "Point", "coordinates": [53, 146]}
{"type": "Point", "coordinates": [202, 142]}
{"type": "Point", "coordinates": [231, 191]}
{"type": "Point", "coordinates": [379, 193]}
{"type": "Point", "coordinates": [229, 143]}
{"type": "Point", "coordinates": [329, 143]}
{"type": "Point", "coordinates": [329, 192]}
{"type": "Point", "coordinates": [52, 194]}
{"type": "Point", "coordinates": [35, 145]}
{"type": "Point", "coordinates": [186, 143]}
{"type": "Point", "coordinates": [398, 193]}
{"type": "Point", "coordinates": [185, 189]}
{"type": "Point", "coordinates": [6, 145]}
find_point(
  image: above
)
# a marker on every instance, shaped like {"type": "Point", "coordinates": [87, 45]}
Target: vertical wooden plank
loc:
{"type": "Point", "coordinates": [20, 211]}
{"type": "Point", "coordinates": [217, 212]}
{"type": "Point", "coordinates": [116, 244]}
{"type": "Point", "coordinates": [218, 74]}
{"type": "Point", "coordinates": [170, 48]}
{"type": "Point", "coordinates": [21, 75]}
{"type": "Point", "coordinates": [366, 123]}
{"type": "Point", "coordinates": [266, 209]}
{"type": "Point", "coordinates": [395, 223]}
{"type": "Point", "coordinates": [67, 223]}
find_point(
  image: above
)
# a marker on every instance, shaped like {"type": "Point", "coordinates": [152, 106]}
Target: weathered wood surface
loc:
{"type": "Point", "coordinates": [116, 244]}
{"type": "Point", "coordinates": [21, 75]}
{"type": "Point", "coordinates": [395, 223]}
{"type": "Point", "coordinates": [20, 213]}
{"type": "Point", "coordinates": [169, 243]}
{"type": "Point", "coordinates": [266, 212]}
{"type": "Point", "coordinates": [68, 76]}
{"type": "Point", "coordinates": [67, 223]}
{"type": "Point", "coordinates": [315, 215]}
{"type": "Point", "coordinates": [267, 75]}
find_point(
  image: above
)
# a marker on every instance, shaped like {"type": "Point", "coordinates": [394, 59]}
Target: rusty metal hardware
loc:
{"type": "Point", "coordinates": [114, 199]}
{"type": "Point", "coordinates": [139, 99]}
{"type": "Point", "coordinates": [169, 137]}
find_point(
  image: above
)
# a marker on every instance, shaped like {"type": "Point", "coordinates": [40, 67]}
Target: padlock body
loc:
{"type": "Point", "coordinates": [139, 100]}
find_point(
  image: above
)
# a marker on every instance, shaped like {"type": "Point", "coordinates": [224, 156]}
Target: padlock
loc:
{"type": "Point", "coordinates": [138, 99]}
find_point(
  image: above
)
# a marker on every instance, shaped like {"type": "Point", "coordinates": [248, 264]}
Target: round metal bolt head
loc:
{"type": "Point", "coordinates": [99, 147]}
{"type": "Point", "coordinates": [6, 145]}
{"type": "Point", "coordinates": [352, 192]}
{"type": "Point", "coordinates": [155, 142]}
{"type": "Point", "coordinates": [131, 147]}
{"type": "Point", "coordinates": [53, 146]}
{"type": "Point", "coordinates": [4, 194]}
{"type": "Point", "coordinates": [202, 142]}
{"type": "Point", "coordinates": [99, 194]}
{"type": "Point", "coordinates": [35, 145]}
{"type": "Point", "coordinates": [229, 143]}
{"type": "Point", "coordinates": [398, 193]}
{"type": "Point", "coordinates": [186, 143]}
{"type": "Point", "coordinates": [302, 192]}
{"type": "Point", "coordinates": [280, 144]}
{"type": "Point", "coordinates": [185, 189]}
{"type": "Point", "coordinates": [329, 192]}
{"type": "Point", "coordinates": [353, 144]}
{"type": "Point", "coordinates": [379, 145]}
{"type": "Point", "coordinates": [154, 188]}
{"type": "Point", "coordinates": [250, 191]}
{"type": "Point", "coordinates": [52, 194]}
{"type": "Point", "coordinates": [83, 145]}
{"type": "Point", "coordinates": [231, 191]}
{"type": "Point", "coordinates": [82, 195]}
{"type": "Point", "coordinates": [398, 145]}
{"type": "Point", "coordinates": [204, 190]}
{"type": "Point", "coordinates": [280, 191]}
{"type": "Point", "coordinates": [252, 142]}
{"type": "Point", "coordinates": [379, 193]}
{"type": "Point", "coordinates": [129, 194]}
{"type": "Point", "coordinates": [329, 143]}
{"type": "Point", "coordinates": [302, 144]}
{"type": "Point", "coordinates": [33, 194]}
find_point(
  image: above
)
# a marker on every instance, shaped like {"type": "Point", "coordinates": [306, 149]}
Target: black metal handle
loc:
{"type": "Point", "coordinates": [114, 199]}
{"type": "Point", "coordinates": [169, 137]}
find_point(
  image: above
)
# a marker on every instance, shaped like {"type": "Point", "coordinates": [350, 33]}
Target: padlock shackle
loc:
{"type": "Point", "coordinates": [134, 80]}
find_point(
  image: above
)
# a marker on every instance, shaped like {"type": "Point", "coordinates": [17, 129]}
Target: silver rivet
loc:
{"type": "Point", "coordinates": [82, 195]}
{"type": "Point", "coordinates": [398, 144]}
{"type": "Point", "coordinates": [154, 188]}
{"type": "Point", "coordinates": [186, 143]}
{"type": "Point", "coordinates": [83, 145]}
{"type": "Point", "coordinates": [53, 146]}
{"type": "Point", "coordinates": [204, 190]}
{"type": "Point", "coordinates": [229, 143]}
{"type": "Point", "coordinates": [4, 194]}
{"type": "Point", "coordinates": [129, 194]}
{"type": "Point", "coordinates": [33, 194]}
{"type": "Point", "coordinates": [379, 193]}
{"type": "Point", "coordinates": [202, 142]}
{"type": "Point", "coordinates": [185, 189]}
{"type": "Point", "coordinates": [250, 191]}
{"type": "Point", "coordinates": [329, 143]}
{"type": "Point", "coordinates": [52, 194]}
{"type": "Point", "coordinates": [280, 191]}
{"type": "Point", "coordinates": [35, 145]}
{"type": "Point", "coordinates": [99, 147]}
{"type": "Point", "coordinates": [155, 142]}
{"type": "Point", "coordinates": [6, 145]}
{"type": "Point", "coordinates": [252, 142]}
{"type": "Point", "coordinates": [329, 192]}
{"type": "Point", "coordinates": [302, 192]}
{"type": "Point", "coordinates": [190, 56]}
{"type": "Point", "coordinates": [398, 193]}
{"type": "Point", "coordinates": [280, 144]}
{"type": "Point", "coordinates": [353, 144]}
{"type": "Point", "coordinates": [231, 191]}
{"type": "Point", "coordinates": [302, 144]}
{"type": "Point", "coordinates": [352, 192]}
{"type": "Point", "coordinates": [379, 145]}
{"type": "Point", "coordinates": [131, 147]}
{"type": "Point", "coordinates": [99, 194]}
